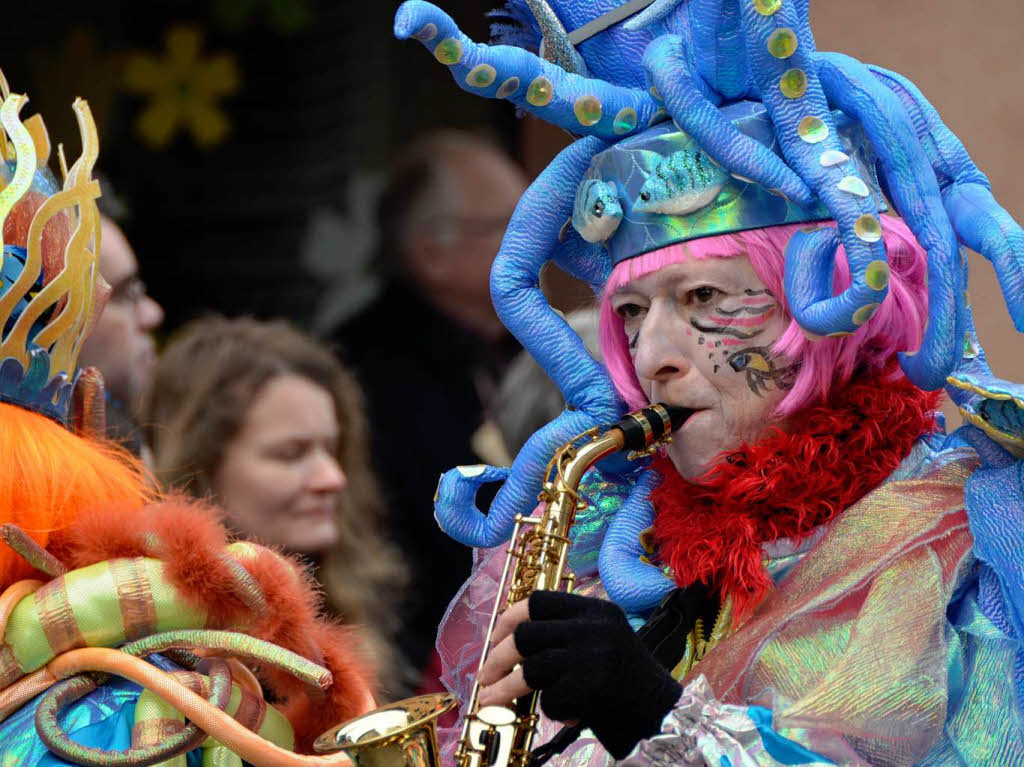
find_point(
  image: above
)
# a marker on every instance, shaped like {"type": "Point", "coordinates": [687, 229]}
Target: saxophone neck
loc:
{"type": "Point", "coordinates": [641, 432]}
{"type": "Point", "coordinates": [572, 462]}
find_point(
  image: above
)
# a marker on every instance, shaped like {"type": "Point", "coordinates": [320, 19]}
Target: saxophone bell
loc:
{"type": "Point", "coordinates": [403, 734]}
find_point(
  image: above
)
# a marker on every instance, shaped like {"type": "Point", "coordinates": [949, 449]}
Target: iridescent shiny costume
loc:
{"type": "Point", "coordinates": [894, 634]}
{"type": "Point", "coordinates": [887, 640]}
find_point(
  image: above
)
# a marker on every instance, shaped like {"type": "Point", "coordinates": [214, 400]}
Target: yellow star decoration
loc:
{"type": "Point", "coordinates": [184, 90]}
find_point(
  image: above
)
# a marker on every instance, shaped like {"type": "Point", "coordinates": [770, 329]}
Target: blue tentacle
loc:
{"type": "Point", "coordinates": [631, 583]}
{"type": "Point", "coordinates": [694, 107]}
{"type": "Point", "coordinates": [455, 499]}
{"type": "Point", "coordinates": [455, 503]}
{"type": "Point", "coordinates": [516, 293]}
{"type": "Point", "coordinates": [525, 311]}
{"type": "Point", "coordinates": [979, 221]}
{"type": "Point", "coordinates": [716, 28]}
{"type": "Point", "coordinates": [585, 261]}
{"type": "Point", "coordinates": [973, 365]}
{"type": "Point", "coordinates": [780, 50]}
{"type": "Point", "coordinates": [985, 227]}
{"type": "Point", "coordinates": [915, 193]}
{"type": "Point", "coordinates": [583, 106]}
{"type": "Point", "coordinates": [950, 160]}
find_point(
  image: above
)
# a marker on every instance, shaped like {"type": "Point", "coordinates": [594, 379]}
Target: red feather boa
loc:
{"type": "Point", "coordinates": [785, 485]}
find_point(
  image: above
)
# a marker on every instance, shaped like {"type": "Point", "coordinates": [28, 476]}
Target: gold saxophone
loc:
{"type": "Point", "coordinates": [500, 736]}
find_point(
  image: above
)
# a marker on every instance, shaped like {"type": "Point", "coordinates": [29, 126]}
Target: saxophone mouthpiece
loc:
{"type": "Point", "coordinates": [646, 426]}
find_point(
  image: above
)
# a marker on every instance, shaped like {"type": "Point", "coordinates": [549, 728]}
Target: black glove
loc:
{"type": "Point", "coordinates": [589, 665]}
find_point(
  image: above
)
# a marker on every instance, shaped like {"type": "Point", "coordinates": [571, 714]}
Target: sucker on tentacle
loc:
{"type": "Point", "coordinates": [913, 187]}
{"type": "Point", "coordinates": [583, 106]}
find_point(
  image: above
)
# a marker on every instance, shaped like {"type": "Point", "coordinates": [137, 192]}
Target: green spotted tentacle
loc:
{"type": "Point", "coordinates": [780, 50]}
{"type": "Point", "coordinates": [102, 605]}
{"type": "Point", "coordinates": [105, 605]}
{"type": "Point", "coordinates": [238, 645]}
{"type": "Point", "coordinates": [583, 105]}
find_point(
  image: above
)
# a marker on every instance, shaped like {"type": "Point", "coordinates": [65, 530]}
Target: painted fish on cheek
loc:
{"type": "Point", "coordinates": [759, 366]}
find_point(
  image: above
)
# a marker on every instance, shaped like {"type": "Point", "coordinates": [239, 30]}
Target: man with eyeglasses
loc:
{"type": "Point", "coordinates": [121, 344]}
{"type": "Point", "coordinates": [430, 351]}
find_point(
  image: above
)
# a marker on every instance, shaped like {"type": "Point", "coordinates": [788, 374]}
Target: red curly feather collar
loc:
{"type": "Point", "coordinates": [785, 485]}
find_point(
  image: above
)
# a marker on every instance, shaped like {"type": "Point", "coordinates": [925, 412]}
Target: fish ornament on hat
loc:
{"type": "Point", "coordinates": [659, 187]}
{"type": "Point", "coordinates": [51, 291]}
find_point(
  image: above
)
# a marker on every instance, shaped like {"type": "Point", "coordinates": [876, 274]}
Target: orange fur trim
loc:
{"type": "Point", "coordinates": [346, 661]}
{"type": "Point", "coordinates": [49, 477]}
{"type": "Point", "coordinates": [191, 544]}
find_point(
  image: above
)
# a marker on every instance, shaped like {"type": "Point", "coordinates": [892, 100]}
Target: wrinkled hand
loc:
{"type": "Point", "coordinates": [583, 656]}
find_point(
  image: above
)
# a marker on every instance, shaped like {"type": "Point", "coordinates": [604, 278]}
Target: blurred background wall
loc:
{"type": "Point", "coordinates": [258, 199]}
{"type": "Point", "coordinates": [258, 195]}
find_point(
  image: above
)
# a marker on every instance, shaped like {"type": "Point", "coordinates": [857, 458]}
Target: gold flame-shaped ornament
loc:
{"type": "Point", "coordinates": [50, 287]}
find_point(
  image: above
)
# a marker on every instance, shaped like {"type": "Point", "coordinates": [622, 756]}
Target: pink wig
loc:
{"type": "Point", "coordinates": [898, 325]}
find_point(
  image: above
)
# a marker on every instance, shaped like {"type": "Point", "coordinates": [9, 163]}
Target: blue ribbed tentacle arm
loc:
{"type": "Point", "coordinates": [914, 190]}
{"type": "Point", "coordinates": [979, 221]}
{"type": "Point", "coordinates": [582, 105]}
{"type": "Point", "coordinates": [780, 50]}
{"type": "Point", "coordinates": [525, 311]}
{"type": "Point", "coordinates": [634, 585]}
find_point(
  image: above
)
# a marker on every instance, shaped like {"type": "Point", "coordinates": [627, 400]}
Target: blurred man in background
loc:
{"type": "Point", "coordinates": [430, 351]}
{"type": "Point", "coordinates": [121, 344]}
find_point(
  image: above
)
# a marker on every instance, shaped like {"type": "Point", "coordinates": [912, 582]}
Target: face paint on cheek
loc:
{"type": "Point", "coordinates": [730, 319]}
{"type": "Point", "coordinates": [722, 330]}
{"type": "Point", "coordinates": [761, 371]}
{"type": "Point", "coordinates": [633, 341]}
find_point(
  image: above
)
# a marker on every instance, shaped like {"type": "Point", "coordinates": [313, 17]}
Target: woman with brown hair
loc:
{"type": "Point", "coordinates": [260, 418]}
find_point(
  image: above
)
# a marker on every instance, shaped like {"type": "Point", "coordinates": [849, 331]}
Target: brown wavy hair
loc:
{"type": "Point", "coordinates": [204, 383]}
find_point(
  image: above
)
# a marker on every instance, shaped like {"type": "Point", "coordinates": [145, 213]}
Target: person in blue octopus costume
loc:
{"type": "Point", "coordinates": [821, 575]}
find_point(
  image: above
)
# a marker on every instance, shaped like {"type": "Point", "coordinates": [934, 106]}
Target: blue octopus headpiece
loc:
{"type": "Point", "coordinates": [659, 187]}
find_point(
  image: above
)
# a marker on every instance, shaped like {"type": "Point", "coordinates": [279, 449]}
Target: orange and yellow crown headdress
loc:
{"type": "Point", "coordinates": [50, 288]}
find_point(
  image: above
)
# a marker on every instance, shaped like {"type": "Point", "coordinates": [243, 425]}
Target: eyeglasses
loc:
{"type": "Point", "coordinates": [130, 291]}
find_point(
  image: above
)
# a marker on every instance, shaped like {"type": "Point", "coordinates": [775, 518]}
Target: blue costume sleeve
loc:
{"type": "Point", "coordinates": [102, 719]}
